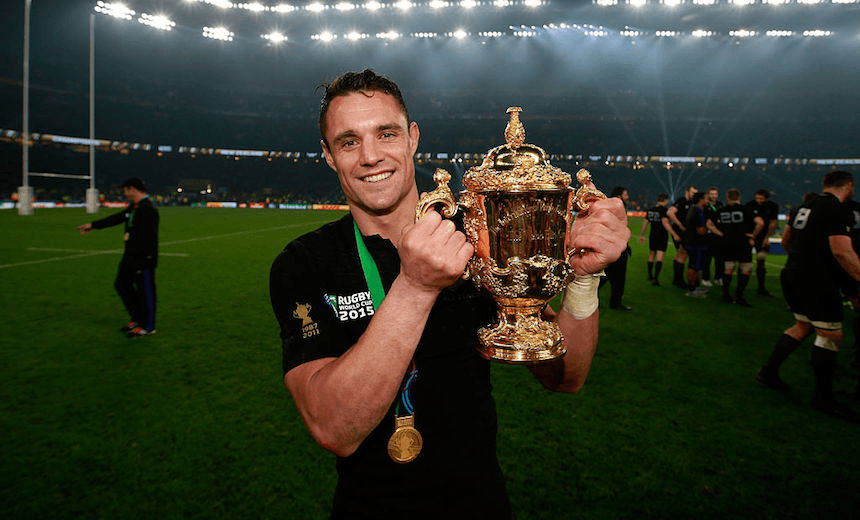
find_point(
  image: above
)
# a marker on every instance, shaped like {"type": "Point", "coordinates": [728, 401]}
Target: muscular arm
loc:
{"type": "Point", "coordinates": [342, 400]}
{"type": "Point", "coordinates": [840, 246]}
{"type": "Point", "coordinates": [642, 231]}
{"type": "Point", "coordinates": [672, 213]}
{"type": "Point", "coordinates": [668, 227]}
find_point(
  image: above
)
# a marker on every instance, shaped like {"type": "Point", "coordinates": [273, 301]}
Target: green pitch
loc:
{"type": "Point", "coordinates": [194, 422]}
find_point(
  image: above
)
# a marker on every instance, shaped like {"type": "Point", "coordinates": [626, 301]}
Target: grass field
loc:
{"type": "Point", "coordinates": [194, 422]}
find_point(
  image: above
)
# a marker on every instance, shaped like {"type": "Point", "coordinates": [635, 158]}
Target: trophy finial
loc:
{"type": "Point", "coordinates": [515, 134]}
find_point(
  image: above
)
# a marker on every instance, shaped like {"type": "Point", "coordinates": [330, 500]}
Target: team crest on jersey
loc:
{"type": "Point", "coordinates": [309, 326]}
{"type": "Point", "coordinates": [351, 307]}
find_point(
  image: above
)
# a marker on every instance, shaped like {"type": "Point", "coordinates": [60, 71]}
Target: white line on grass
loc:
{"type": "Point", "coordinates": [106, 251]}
{"type": "Point", "coordinates": [84, 253]}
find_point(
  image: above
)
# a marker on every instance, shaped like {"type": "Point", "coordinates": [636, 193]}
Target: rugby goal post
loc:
{"type": "Point", "coordinates": [25, 192]}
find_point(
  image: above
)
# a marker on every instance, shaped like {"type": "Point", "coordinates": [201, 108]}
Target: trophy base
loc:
{"type": "Point", "coordinates": [521, 337]}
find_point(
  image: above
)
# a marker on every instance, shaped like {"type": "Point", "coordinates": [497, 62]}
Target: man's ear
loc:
{"type": "Point", "coordinates": [414, 134]}
{"type": "Point", "coordinates": [327, 154]}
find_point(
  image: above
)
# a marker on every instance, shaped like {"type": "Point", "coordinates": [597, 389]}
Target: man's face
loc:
{"type": "Point", "coordinates": [625, 196]}
{"type": "Point", "coordinates": [370, 146]}
{"type": "Point", "coordinates": [132, 194]}
{"type": "Point", "coordinates": [759, 198]}
{"type": "Point", "coordinates": [690, 193]}
{"type": "Point", "coordinates": [713, 196]}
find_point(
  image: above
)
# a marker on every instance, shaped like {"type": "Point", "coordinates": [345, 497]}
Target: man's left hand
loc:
{"type": "Point", "coordinates": [602, 232]}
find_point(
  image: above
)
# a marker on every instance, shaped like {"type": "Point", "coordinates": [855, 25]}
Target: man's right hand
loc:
{"type": "Point", "coordinates": [433, 254]}
{"type": "Point", "coordinates": [85, 228]}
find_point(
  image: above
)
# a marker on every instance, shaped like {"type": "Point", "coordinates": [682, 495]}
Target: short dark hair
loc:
{"type": "Point", "coordinates": [764, 193]}
{"type": "Point", "coordinates": [733, 194]}
{"type": "Point", "coordinates": [350, 82]}
{"type": "Point", "coordinates": [135, 183]}
{"type": "Point", "coordinates": [618, 191]}
{"type": "Point", "coordinates": [837, 179]}
{"type": "Point", "coordinates": [662, 196]}
{"type": "Point", "coordinates": [697, 197]}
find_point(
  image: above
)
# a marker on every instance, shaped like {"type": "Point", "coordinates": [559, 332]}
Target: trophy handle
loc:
{"type": "Point", "coordinates": [441, 195]}
{"type": "Point", "coordinates": [585, 195]}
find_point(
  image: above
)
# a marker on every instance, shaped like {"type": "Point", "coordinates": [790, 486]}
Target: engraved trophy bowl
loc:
{"type": "Point", "coordinates": [517, 214]}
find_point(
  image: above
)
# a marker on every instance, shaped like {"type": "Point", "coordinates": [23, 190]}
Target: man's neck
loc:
{"type": "Point", "coordinates": [388, 225]}
{"type": "Point", "coordinates": [839, 193]}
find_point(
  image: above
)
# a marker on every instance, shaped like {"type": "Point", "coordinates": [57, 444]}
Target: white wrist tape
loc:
{"type": "Point", "coordinates": [580, 297]}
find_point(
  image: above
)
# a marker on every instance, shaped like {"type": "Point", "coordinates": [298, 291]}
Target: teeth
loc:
{"type": "Point", "coordinates": [377, 178]}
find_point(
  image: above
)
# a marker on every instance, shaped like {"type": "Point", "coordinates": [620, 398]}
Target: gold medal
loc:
{"type": "Point", "coordinates": [405, 443]}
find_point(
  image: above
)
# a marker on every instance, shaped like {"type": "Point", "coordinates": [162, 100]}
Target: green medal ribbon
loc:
{"type": "Point", "coordinates": [371, 272]}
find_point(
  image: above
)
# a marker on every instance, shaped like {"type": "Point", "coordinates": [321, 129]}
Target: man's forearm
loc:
{"type": "Point", "coordinates": [343, 399]}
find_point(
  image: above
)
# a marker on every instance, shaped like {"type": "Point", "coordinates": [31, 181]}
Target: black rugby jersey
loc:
{"type": "Point", "coordinates": [322, 303]}
{"type": "Point", "coordinates": [655, 216]}
{"type": "Point", "coordinates": [736, 221]}
{"type": "Point", "coordinates": [812, 226]}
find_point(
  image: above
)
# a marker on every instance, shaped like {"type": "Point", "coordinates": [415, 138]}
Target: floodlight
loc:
{"type": "Point", "coordinates": [742, 33]}
{"type": "Point", "coordinates": [372, 6]}
{"type": "Point", "coordinates": [817, 33]}
{"type": "Point", "coordinates": [491, 34]}
{"type": "Point", "coordinates": [274, 37]}
{"type": "Point", "coordinates": [344, 6]}
{"type": "Point", "coordinates": [843, 1]}
{"type": "Point", "coordinates": [315, 7]}
{"type": "Point", "coordinates": [742, 3]}
{"type": "Point", "coordinates": [503, 3]}
{"type": "Point", "coordinates": [809, 2]}
{"type": "Point", "coordinates": [223, 4]}
{"type": "Point", "coordinates": [672, 3]}
{"type": "Point", "coordinates": [532, 3]}
{"type": "Point", "coordinates": [458, 34]}
{"type": "Point", "coordinates": [701, 33]}
{"type": "Point", "coordinates": [780, 34]}
{"type": "Point", "coordinates": [116, 10]}
{"type": "Point", "coordinates": [438, 4]}
{"type": "Point", "coordinates": [283, 8]}
{"type": "Point", "coordinates": [636, 3]}
{"type": "Point", "coordinates": [403, 5]}
{"type": "Point", "coordinates": [390, 35]}
{"type": "Point", "coordinates": [424, 35]}
{"type": "Point", "coordinates": [775, 2]}
{"type": "Point", "coordinates": [355, 36]}
{"type": "Point", "coordinates": [631, 34]}
{"type": "Point", "coordinates": [468, 4]}
{"type": "Point", "coordinates": [324, 36]}
{"type": "Point", "coordinates": [218, 33]}
{"type": "Point", "coordinates": [255, 7]}
{"type": "Point", "coordinates": [704, 2]}
{"type": "Point", "coordinates": [606, 3]}
{"type": "Point", "coordinates": [157, 21]}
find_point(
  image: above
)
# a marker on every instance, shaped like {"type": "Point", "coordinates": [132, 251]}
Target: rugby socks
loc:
{"type": "Point", "coordinates": [678, 279]}
{"type": "Point", "coordinates": [657, 267]}
{"type": "Point", "coordinates": [760, 273]}
{"type": "Point", "coordinates": [824, 364]}
{"type": "Point", "coordinates": [785, 345]}
{"type": "Point", "coordinates": [650, 270]}
{"type": "Point", "coordinates": [727, 283]}
{"type": "Point", "coordinates": [743, 280]}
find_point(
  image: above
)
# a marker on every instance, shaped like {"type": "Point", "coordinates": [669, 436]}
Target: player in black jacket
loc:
{"type": "Point", "coordinates": [135, 278]}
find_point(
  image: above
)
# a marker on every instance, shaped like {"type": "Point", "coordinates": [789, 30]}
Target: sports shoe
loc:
{"type": "Point", "coordinates": [696, 293]}
{"type": "Point", "coordinates": [718, 281]}
{"type": "Point", "coordinates": [834, 408]}
{"type": "Point", "coordinates": [743, 303]}
{"type": "Point", "coordinates": [131, 326]}
{"type": "Point", "coordinates": [707, 283]}
{"type": "Point", "coordinates": [655, 282]}
{"type": "Point", "coordinates": [765, 292]}
{"type": "Point", "coordinates": [139, 331]}
{"type": "Point", "coordinates": [772, 380]}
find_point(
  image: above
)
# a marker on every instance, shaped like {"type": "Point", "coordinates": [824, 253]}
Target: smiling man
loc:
{"type": "Point", "coordinates": [379, 330]}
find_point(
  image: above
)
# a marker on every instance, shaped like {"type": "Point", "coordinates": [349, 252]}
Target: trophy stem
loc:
{"type": "Point", "coordinates": [521, 336]}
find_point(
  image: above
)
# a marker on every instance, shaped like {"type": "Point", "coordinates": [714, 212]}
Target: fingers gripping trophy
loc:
{"type": "Point", "coordinates": [517, 214]}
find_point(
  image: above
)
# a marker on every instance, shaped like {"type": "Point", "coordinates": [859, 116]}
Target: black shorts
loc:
{"type": "Point", "coordinates": [697, 257]}
{"type": "Point", "coordinates": [762, 247]}
{"type": "Point", "coordinates": [818, 300]}
{"type": "Point", "coordinates": [737, 253]}
{"type": "Point", "coordinates": [658, 243]}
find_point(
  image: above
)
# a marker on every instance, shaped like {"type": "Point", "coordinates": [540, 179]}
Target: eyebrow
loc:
{"type": "Point", "coordinates": [351, 133]}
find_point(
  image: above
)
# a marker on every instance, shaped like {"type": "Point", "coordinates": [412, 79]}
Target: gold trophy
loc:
{"type": "Point", "coordinates": [517, 214]}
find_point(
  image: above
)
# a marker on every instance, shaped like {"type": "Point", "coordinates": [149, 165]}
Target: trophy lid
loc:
{"type": "Point", "coordinates": [515, 166]}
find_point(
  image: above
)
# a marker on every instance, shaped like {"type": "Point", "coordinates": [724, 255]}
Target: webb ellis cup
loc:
{"type": "Point", "coordinates": [517, 213]}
